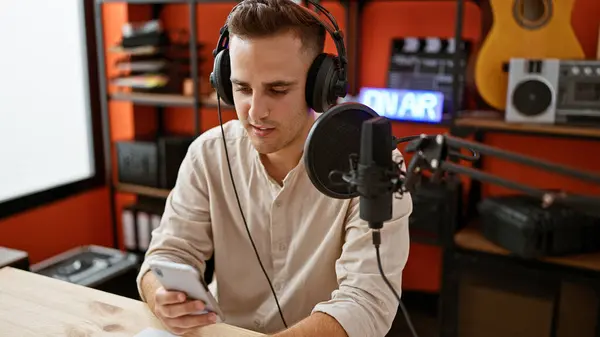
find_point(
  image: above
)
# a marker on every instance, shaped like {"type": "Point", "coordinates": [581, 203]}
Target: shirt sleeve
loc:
{"type": "Point", "coordinates": [184, 234]}
{"type": "Point", "coordinates": [363, 304]}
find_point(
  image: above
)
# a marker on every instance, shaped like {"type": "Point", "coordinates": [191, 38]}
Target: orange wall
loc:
{"type": "Point", "coordinates": [84, 219]}
{"type": "Point", "coordinates": [52, 229]}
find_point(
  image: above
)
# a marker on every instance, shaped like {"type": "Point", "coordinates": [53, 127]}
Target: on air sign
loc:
{"type": "Point", "coordinates": [403, 104]}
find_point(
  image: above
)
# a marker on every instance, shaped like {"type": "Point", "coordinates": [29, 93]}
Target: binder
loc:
{"type": "Point", "coordinates": [139, 221]}
{"type": "Point", "coordinates": [129, 228]}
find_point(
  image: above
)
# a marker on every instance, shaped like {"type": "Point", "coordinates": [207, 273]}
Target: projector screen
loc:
{"type": "Point", "coordinates": [45, 116]}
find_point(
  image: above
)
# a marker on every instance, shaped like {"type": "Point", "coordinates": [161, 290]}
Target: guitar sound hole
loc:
{"type": "Point", "coordinates": [532, 14]}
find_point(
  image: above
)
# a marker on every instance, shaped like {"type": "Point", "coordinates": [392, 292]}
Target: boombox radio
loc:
{"type": "Point", "coordinates": [553, 91]}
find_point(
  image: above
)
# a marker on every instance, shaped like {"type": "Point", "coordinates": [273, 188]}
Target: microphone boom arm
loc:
{"type": "Point", "coordinates": [431, 152]}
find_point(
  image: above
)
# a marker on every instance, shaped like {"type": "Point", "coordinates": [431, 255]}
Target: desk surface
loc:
{"type": "Point", "coordinates": [36, 305]}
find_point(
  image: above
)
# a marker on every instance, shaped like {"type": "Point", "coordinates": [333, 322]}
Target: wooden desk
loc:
{"type": "Point", "coordinates": [36, 305]}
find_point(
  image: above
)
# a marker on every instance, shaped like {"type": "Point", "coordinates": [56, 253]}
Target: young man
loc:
{"type": "Point", "coordinates": [316, 250]}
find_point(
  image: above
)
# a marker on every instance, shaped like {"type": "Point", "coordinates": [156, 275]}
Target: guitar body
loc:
{"type": "Point", "coordinates": [526, 29]}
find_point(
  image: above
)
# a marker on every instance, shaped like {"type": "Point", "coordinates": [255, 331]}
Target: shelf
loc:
{"type": "Point", "coordinates": [530, 129]}
{"type": "Point", "coordinates": [154, 99]}
{"type": "Point", "coordinates": [143, 190]}
{"type": "Point", "coordinates": [473, 239]}
{"type": "Point", "coordinates": [165, 100]}
{"type": "Point", "coordinates": [208, 103]}
{"type": "Point", "coordinates": [441, 124]}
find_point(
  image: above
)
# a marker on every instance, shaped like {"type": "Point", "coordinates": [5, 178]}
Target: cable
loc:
{"type": "Point", "coordinates": [242, 212]}
{"type": "Point", "coordinates": [376, 243]}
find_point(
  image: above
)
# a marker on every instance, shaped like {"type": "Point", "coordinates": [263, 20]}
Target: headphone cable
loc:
{"type": "Point", "coordinates": [242, 212]}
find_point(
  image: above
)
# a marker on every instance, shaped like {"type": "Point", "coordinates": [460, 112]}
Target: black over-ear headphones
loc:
{"type": "Point", "coordinates": [326, 79]}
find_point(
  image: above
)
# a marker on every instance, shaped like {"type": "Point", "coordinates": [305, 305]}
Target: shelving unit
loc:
{"type": "Point", "coordinates": [483, 124]}
{"type": "Point", "coordinates": [159, 101]}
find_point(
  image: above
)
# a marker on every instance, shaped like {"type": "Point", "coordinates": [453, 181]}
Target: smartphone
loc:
{"type": "Point", "coordinates": [184, 278]}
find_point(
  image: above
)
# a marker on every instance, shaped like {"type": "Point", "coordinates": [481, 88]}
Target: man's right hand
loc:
{"type": "Point", "coordinates": [177, 312]}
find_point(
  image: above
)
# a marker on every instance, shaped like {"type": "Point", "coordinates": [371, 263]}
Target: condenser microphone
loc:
{"type": "Point", "coordinates": [334, 144]}
{"type": "Point", "coordinates": [348, 153]}
{"type": "Point", "coordinates": [375, 168]}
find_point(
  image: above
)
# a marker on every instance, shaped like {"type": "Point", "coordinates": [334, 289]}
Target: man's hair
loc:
{"type": "Point", "coordinates": [264, 18]}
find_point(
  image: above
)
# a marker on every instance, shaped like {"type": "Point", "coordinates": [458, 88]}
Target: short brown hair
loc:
{"type": "Point", "coordinates": [263, 18]}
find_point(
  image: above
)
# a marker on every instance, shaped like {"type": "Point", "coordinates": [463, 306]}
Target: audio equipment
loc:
{"type": "Point", "coordinates": [526, 228]}
{"type": "Point", "coordinates": [151, 162]}
{"type": "Point", "coordinates": [553, 91]}
{"type": "Point", "coordinates": [533, 29]}
{"type": "Point", "coordinates": [332, 147]}
{"type": "Point", "coordinates": [338, 134]}
{"type": "Point", "coordinates": [375, 198]}
{"type": "Point", "coordinates": [326, 79]}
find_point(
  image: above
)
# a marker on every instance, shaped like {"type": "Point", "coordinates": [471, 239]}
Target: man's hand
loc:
{"type": "Point", "coordinates": [173, 308]}
{"type": "Point", "coordinates": [177, 313]}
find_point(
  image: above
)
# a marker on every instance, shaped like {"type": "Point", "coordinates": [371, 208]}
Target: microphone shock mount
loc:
{"type": "Point", "coordinates": [371, 181]}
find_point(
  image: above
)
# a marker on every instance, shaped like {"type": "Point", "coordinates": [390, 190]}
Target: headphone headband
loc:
{"type": "Point", "coordinates": [326, 79]}
{"type": "Point", "coordinates": [333, 30]}
{"type": "Point", "coordinates": [337, 35]}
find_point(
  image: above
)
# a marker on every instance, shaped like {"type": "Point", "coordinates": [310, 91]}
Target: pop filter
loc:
{"type": "Point", "coordinates": [334, 137]}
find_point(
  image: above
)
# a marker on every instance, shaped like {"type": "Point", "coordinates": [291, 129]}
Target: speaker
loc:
{"type": "Point", "coordinates": [152, 162]}
{"type": "Point", "coordinates": [532, 91]}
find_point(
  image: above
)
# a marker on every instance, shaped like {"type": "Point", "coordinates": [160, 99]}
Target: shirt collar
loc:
{"type": "Point", "coordinates": [289, 178]}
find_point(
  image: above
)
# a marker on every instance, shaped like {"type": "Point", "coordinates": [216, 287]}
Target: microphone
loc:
{"type": "Point", "coordinates": [373, 179]}
{"type": "Point", "coordinates": [348, 153]}
{"type": "Point", "coordinates": [331, 156]}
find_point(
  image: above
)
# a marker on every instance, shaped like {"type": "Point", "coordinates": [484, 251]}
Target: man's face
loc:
{"type": "Point", "coordinates": [269, 78]}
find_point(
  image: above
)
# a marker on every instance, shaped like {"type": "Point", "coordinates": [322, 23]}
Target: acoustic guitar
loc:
{"type": "Point", "coordinates": [527, 29]}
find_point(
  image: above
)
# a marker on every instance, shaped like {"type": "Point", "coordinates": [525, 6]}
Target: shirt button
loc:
{"type": "Point", "coordinates": [278, 286]}
{"type": "Point", "coordinates": [257, 323]}
{"type": "Point", "coordinates": [277, 203]}
{"type": "Point", "coordinates": [282, 246]}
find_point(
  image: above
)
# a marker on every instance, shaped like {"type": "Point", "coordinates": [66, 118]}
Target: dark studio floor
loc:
{"type": "Point", "coordinates": [422, 309]}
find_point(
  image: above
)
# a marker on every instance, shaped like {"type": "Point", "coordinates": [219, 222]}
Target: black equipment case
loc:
{"type": "Point", "coordinates": [521, 225]}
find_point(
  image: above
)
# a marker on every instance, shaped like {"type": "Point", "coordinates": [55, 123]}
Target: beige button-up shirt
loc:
{"type": "Point", "coordinates": [316, 250]}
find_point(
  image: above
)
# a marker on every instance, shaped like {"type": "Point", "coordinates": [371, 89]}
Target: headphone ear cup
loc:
{"type": "Point", "coordinates": [320, 81]}
{"type": "Point", "coordinates": [220, 78]}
